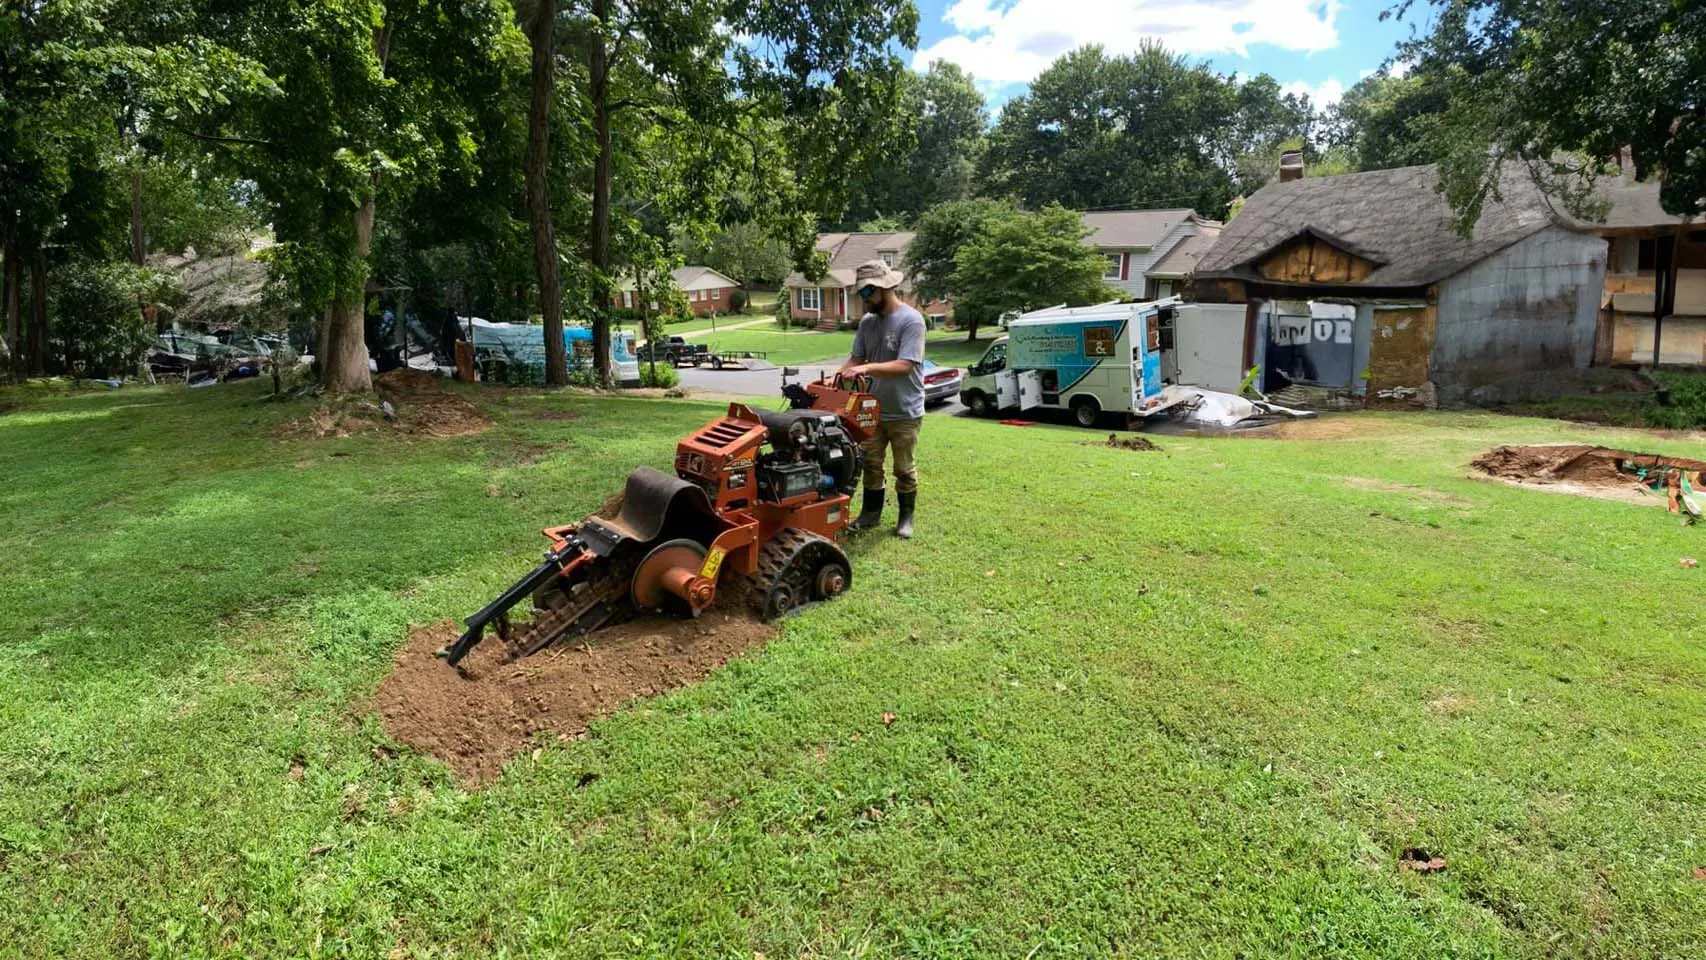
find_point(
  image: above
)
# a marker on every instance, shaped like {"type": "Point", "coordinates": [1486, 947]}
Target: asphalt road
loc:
{"type": "Point", "coordinates": [768, 383]}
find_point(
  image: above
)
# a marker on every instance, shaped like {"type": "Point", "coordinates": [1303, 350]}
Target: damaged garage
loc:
{"type": "Point", "coordinates": [1359, 290]}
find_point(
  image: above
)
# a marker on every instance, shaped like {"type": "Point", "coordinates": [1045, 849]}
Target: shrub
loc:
{"type": "Point", "coordinates": [658, 375]}
{"type": "Point", "coordinates": [738, 301]}
{"type": "Point", "coordinates": [96, 315]}
{"type": "Point", "coordinates": [1686, 409]}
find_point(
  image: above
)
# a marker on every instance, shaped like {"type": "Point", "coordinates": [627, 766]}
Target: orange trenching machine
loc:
{"type": "Point", "coordinates": [757, 495]}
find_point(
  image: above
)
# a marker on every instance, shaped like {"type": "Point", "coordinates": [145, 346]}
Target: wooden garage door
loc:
{"type": "Point", "coordinates": [1400, 342]}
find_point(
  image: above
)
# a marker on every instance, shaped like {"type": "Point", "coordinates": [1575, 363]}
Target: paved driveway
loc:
{"type": "Point", "coordinates": [767, 384]}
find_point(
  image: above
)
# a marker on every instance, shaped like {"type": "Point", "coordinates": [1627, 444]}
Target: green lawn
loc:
{"type": "Point", "coordinates": [782, 347]}
{"type": "Point", "coordinates": [1188, 703]}
{"type": "Point", "coordinates": [723, 320]}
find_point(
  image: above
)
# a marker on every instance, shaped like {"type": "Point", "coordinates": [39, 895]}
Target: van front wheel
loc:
{"type": "Point", "coordinates": [1085, 411]}
{"type": "Point", "coordinates": [978, 403]}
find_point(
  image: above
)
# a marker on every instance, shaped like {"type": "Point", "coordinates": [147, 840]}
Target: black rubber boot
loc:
{"type": "Point", "coordinates": [903, 529]}
{"type": "Point", "coordinates": [871, 513]}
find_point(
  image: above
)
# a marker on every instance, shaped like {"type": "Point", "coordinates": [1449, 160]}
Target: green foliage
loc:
{"type": "Point", "coordinates": [942, 231]}
{"type": "Point", "coordinates": [1385, 121]}
{"type": "Point", "coordinates": [991, 258]}
{"type": "Point", "coordinates": [658, 375]}
{"type": "Point", "coordinates": [1146, 130]}
{"type": "Point", "coordinates": [95, 313]}
{"type": "Point", "coordinates": [936, 155]}
{"type": "Point", "coordinates": [1571, 80]}
{"type": "Point", "coordinates": [1024, 261]}
{"type": "Point", "coordinates": [738, 301]}
{"type": "Point", "coordinates": [1685, 406]}
{"type": "Point", "coordinates": [744, 251]}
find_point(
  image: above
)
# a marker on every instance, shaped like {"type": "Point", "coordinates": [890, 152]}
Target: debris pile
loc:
{"type": "Point", "coordinates": [476, 718]}
{"type": "Point", "coordinates": [1594, 471]}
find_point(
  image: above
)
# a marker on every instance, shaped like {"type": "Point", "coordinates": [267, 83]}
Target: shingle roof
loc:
{"type": "Point", "coordinates": [1633, 206]}
{"type": "Point", "coordinates": [1181, 261]}
{"type": "Point", "coordinates": [848, 250]}
{"type": "Point", "coordinates": [1393, 217]}
{"type": "Point", "coordinates": [1128, 229]}
{"type": "Point", "coordinates": [699, 278]}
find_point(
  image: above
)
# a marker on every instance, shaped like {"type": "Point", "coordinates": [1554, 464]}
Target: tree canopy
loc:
{"type": "Point", "coordinates": [1146, 130]}
{"type": "Point", "coordinates": [1564, 87]}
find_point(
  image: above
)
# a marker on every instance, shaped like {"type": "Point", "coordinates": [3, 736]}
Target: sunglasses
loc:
{"type": "Point", "coordinates": [867, 291]}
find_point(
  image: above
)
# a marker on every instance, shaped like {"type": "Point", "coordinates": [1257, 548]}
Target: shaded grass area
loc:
{"type": "Point", "coordinates": [1187, 703]}
{"type": "Point", "coordinates": [1679, 403]}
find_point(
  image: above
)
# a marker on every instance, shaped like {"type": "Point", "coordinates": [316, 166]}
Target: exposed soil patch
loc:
{"type": "Point", "coordinates": [477, 720]}
{"type": "Point", "coordinates": [409, 401]}
{"type": "Point", "coordinates": [1129, 443]}
{"type": "Point", "coordinates": [556, 415]}
{"type": "Point", "coordinates": [1588, 471]}
{"type": "Point", "coordinates": [426, 408]}
{"type": "Point", "coordinates": [1332, 427]}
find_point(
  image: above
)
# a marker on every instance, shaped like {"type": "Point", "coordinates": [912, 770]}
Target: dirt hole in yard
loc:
{"type": "Point", "coordinates": [477, 720]}
{"type": "Point", "coordinates": [1590, 471]}
{"type": "Point", "coordinates": [420, 405]}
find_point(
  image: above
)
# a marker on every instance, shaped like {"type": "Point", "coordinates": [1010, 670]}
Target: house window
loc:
{"type": "Point", "coordinates": [887, 256]}
{"type": "Point", "coordinates": [693, 295]}
{"type": "Point", "coordinates": [811, 298]}
{"type": "Point", "coordinates": [628, 299]}
{"type": "Point", "coordinates": [1115, 261]}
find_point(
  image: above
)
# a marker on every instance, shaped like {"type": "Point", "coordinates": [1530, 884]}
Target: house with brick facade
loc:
{"type": "Point", "coordinates": [1150, 254]}
{"type": "Point", "coordinates": [707, 290]}
{"type": "Point", "coordinates": [831, 300]}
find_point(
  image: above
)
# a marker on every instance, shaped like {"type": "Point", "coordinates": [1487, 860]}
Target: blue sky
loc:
{"type": "Point", "coordinates": [1318, 46]}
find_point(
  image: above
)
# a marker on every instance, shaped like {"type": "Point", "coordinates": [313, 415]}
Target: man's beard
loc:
{"type": "Point", "coordinates": [873, 304]}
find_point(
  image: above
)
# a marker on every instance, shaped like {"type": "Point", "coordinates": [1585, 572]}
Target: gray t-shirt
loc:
{"type": "Point", "coordinates": [897, 336]}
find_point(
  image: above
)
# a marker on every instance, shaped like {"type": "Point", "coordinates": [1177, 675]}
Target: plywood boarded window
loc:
{"type": "Point", "coordinates": [1401, 340]}
{"type": "Point", "coordinates": [1311, 259]}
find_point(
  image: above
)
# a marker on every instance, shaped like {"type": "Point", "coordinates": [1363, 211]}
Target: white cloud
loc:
{"type": "Point", "coordinates": [1008, 42]}
{"type": "Point", "coordinates": [1322, 94]}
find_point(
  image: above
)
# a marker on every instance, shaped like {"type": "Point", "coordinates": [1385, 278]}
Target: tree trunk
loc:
{"type": "Point", "coordinates": [542, 34]}
{"type": "Point", "coordinates": [971, 329]}
{"type": "Point", "coordinates": [38, 314]}
{"type": "Point", "coordinates": [138, 249]}
{"type": "Point", "coordinates": [14, 279]}
{"type": "Point", "coordinates": [343, 354]}
{"type": "Point", "coordinates": [599, 88]}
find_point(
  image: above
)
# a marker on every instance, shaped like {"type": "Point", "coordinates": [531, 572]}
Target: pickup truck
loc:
{"type": "Point", "coordinates": [676, 351]}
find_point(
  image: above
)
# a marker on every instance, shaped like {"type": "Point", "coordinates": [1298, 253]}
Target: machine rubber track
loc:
{"type": "Point", "coordinates": [797, 568]}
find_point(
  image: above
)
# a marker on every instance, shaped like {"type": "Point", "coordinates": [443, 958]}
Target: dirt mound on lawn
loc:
{"type": "Point", "coordinates": [425, 407]}
{"type": "Point", "coordinates": [476, 721]}
{"type": "Point", "coordinates": [419, 405]}
{"type": "Point", "coordinates": [1574, 463]}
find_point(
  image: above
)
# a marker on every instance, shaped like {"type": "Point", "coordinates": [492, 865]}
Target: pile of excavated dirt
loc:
{"type": "Point", "coordinates": [476, 719]}
{"type": "Point", "coordinates": [1130, 443]}
{"type": "Point", "coordinates": [419, 405]}
{"type": "Point", "coordinates": [1580, 469]}
{"type": "Point", "coordinates": [425, 407]}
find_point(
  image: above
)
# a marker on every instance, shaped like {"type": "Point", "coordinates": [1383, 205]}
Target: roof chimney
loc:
{"type": "Point", "coordinates": [1291, 166]}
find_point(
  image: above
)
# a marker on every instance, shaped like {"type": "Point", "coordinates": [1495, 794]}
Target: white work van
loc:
{"type": "Point", "coordinates": [1107, 358]}
{"type": "Point", "coordinates": [1089, 360]}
